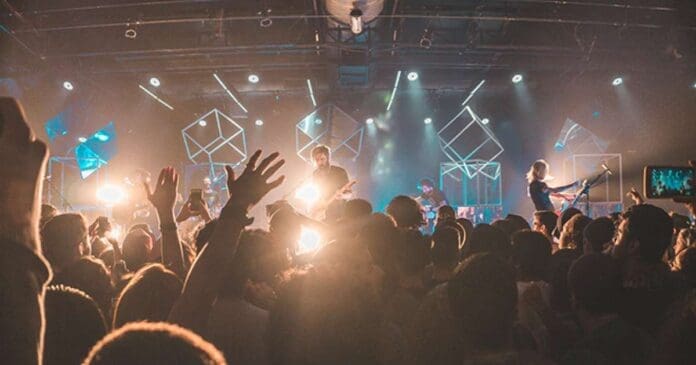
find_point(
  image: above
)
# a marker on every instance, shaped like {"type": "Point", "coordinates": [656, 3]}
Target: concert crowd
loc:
{"type": "Point", "coordinates": [202, 288]}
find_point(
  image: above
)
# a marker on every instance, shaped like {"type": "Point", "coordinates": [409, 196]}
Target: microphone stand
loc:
{"type": "Point", "coordinates": [586, 190]}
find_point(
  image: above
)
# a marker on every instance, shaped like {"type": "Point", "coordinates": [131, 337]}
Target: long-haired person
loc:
{"type": "Point", "coordinates": [538, 190]}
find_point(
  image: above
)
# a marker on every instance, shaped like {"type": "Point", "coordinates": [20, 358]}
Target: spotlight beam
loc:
{"type": "Point", "coordinates": [143, 88]}
{"type": "Point", "coordinates": [396, 86]}
{"type": "Point", "coordinates": [311, 92]}
{"type": "Point", "coordinates": [471, 94]}
{"type": "Point", "coordinates": [230, 93]}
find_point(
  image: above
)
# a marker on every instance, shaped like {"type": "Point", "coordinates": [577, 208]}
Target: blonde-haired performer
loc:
{"type": "Point", "coordinates": [538, 190]}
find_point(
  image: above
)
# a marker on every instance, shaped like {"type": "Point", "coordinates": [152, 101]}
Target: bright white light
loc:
{"type": "Point", "coordinates": [224, 87]}
{"type": "Point", "coordinates": [517, 79]}
{"type": "Point", "coordinates": [428, 120]}
{"type": "Point", "coordinates": [154, 81]}
{"type": "Point", "coordinates": [68, 85]}
{"type": "Point", "coordinates": [101, 136]}
{"type": "Point", "coordinates": [393, 93]}
{"type": "Point", "coordinates": [259, 122]}
{"type": "Point", "coordinates": [369, 121]}
{"type": "Point", "coordinates": [110, 194]}
{"type": "Point", "coordinates": [202, 123]}
{"type": "Point", "coordinates": [694, 85]}
{"type": "Point", "coordinates": [253, 78]}
{"type": "Point", "coordinates": [356, 23]}
{"type": "Point", "coordinates": [311, 92]}
{"type": "Point", "coordinates": [310, 241]}
{"type": "Point", "coordinates": [82, 139]}
{"type": "Point", "coordinates": [318, 121]}
{"type": "Point", "coordinates": [116, 232]}
{"type": "Point", "coordinates": [412, 76]}
{"type": "Point", "coordinates": [308, 193]}
{"type": "Point", "coordinates": [617, 81]}
{"type": "Point", "coordinates": [143, 88]}
{"type": "Point", "coordinates": [485, 121]}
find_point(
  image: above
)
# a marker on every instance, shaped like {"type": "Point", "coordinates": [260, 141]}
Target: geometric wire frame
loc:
{"type": "Point", "coordinates": [331, 126]}
{"type": "Point", "coordinates": [608, 193]}
{"type": "Point", "coordinates": [466, 130]}
{"type": "Point", "coordinates": [205, 143]}
{"type": "Point", "coordinates": [472, 183]}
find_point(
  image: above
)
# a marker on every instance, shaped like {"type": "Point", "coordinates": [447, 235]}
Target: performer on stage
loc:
{"type": "Point", "coordinates": [538, 190]}
{"type": "Point", "coordinates": [432, 197]}
{"type": "Point", "coordinates": [329, 179]}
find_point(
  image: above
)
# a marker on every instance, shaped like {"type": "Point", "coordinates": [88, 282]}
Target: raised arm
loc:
{"type": "Point", "coordinates": [23, 272]}
{"type": "Point", "coordinates": [559, 189]}
{"type": "Point", "coordinates": [207, 273]}
{"type": "Point", "coordinates": [163, 199]}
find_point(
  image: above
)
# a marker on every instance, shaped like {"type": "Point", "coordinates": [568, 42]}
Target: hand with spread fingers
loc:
{"type": "Point", "coordinates": [22, 165]}
{"type": "Point", "coordinates": [164, 196]}
{"type": "Point", "coordinates": [253, 184]}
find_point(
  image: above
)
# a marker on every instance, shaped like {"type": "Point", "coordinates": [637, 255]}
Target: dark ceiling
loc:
{"type": "Point", "coordinates": [468, 38]}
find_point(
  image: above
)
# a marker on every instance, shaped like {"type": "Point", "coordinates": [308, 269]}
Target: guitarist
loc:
{"type": "Point", "coordinates": [431, 197]}
{"type": "Point", "coordinates": [329, 179]}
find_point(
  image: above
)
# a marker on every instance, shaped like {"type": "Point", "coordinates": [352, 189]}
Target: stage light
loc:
{"type": "Point", "coordinates": [485, 121]}
{"type": "Point", "coordinates": [412, 76]}
{"type": "Point", "coordinates": [517, 79]}
{"type": "Point", "coordinates": [67, 85]}
{"type": "Point", "coordinates": [259, 122]}
{"type": "Point", "coordinates": [311, 92]}
{"type": "Point", "coordinates": [369, 121]}
{"type": "Point", "coordinates": [253, 78]}
{"type": "Point", "coordinates": [356, 23]}
{"type": "Point", "coordinates": [308, 193]}
{"type": "Point", "coordinates": [428, 120]}
{"type": "Point", "coordinates": [310, 241]}
{"type": "Point", "coordinates": [202, 123]}
{"type": "Point", "coordinates": [143, 88]}
{"type": "Point", "coordinates": [224, 87]}
{"type": "Point", "coordinates": [393, 93]}
{"type": "Point", "coordinates": [82, 139]}
{"type": "Point", "coordinates": [154, 81]}
{"type": "Point", "coordinates": [318, 121]}
{"type": "Point", "coordinates": [110, 194]}
{"type": "Point", "coordinates": [694, 85]}
{"type": "Point", "coordinates": [617, 81]}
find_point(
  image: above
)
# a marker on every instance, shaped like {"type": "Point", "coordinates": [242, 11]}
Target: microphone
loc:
{"type": "Point", "coordinates": [607, 169]}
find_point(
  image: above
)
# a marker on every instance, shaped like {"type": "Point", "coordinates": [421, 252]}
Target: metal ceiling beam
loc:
{"type": "Point", "coordinates": [492, 18]}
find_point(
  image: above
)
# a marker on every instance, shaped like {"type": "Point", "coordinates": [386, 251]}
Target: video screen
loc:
{"type": "Point", "coordinates": [669, 182]}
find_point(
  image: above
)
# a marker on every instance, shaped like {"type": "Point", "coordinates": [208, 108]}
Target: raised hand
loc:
{"type": "Point", "coordinates": [635, 196]}
{"type": "Point", "coordinates": [22, 166]}
{"type": "Point", "coordinates": [252, 185]}
{"type": "Point", "coordinates": [164, 196]}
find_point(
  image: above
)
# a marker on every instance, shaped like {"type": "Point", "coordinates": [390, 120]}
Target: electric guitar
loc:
{"type": "Point", "coordinates": [319, 208]}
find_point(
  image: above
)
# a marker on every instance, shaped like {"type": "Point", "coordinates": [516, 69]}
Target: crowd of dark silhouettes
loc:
{"type": "Point", "coordinates": [568, 289]}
